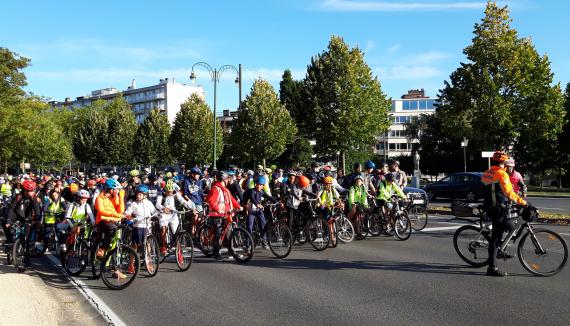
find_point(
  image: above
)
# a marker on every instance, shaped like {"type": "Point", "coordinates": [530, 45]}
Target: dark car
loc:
{"type": "Point", "coordinates": [457, 185]}
{"type": "Point", "coordinates": [418, 196]}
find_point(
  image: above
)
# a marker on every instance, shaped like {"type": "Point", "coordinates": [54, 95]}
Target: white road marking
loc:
{"type": "Point", "coordinates": [551, 209]}
{"type": "Point", "coordinates": [91, 297]}
{"type": "Point", "coordinates": [443, 228]}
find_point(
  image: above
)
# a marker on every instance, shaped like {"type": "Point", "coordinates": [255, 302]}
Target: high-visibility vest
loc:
{"type": "Point", "coordinates": [53, 209]}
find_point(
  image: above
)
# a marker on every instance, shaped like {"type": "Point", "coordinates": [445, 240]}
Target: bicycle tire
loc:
{"type": "Point", "coordinates": [95, 264]}
{"type": "Point", "coordinates": [206, 240]}
{"type": "Point", "coordinates": [318, 234]}
{"type": "Point", "coordinates": [403, 226]}
{"type": "Point", "coordinates": [19, 255]}
{"type": "Point", "coordinates": [418, 216]}
{"type": "Point", "coordinates": [551, 242]}
{"type": "Point", "coordinates": [184, 250]}
{"type": "Point", "coordinates": [108, 265]}
{"type": "Point", "coordinates": [469, 237]}
{"type": "Point", "coordinates": [240, 240]}
{"type": "Point", "coordinates": [359, 231]}
{"type": "Point", "coordinates": [374, 225]}
{"type": "Point", "coordinates": [279, 239]}
{"type": "Point", "coordinates": [79, 251]}
{"type": "Point", "coordinates": [334, 236]}
{"type": "Point", "coordinates": [151, 255]}
{"type": "Point", "coordinates": [345, 229]}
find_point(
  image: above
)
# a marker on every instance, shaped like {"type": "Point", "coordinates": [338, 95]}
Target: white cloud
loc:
{"type": "Point", "coordinates": [394, 48]}
{"type": "Point", "coordinates": [407, 72]}
{"type": "Point", "coordinates": [348, 5]}
{"type": "Point", "coordinates": [370, 45]}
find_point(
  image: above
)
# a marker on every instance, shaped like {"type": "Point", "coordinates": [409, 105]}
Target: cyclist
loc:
{"type": "Point", "coordinates": [153, 188]}
{"type": "Point", "coordinates": [516, 178]}
{"type": "Point", "coordinates": [399, 176]}
{"type": "Point", "coordinates": [387, 188]}
{"type": "Point", "coordinates": [252, 199]}
{"type": "Point", "coordinates": [78, 212]}
{"type": "Point", "coordinates": [357, 195]}
{"type": "Point", "coordinates": [166, 203]}
{"type": "Point", "coordinates": [53, 206]}
{"type": "Point", "coordinates": [348, 180]}
{"type": "Point", "coordinates": [367, 177]}
{"type": "Point", "coordinates": [222, 205]}
{"type": "Point", "coordinates": [69, 192]}
{"type": "Point", "coordinates": [132, 185]}
{"type": "Point", "coordinates": [110, 206]}
{"type": "Point", "coordinates": [327, 197]}
{"type": "Point", "coordinates": [194, 190]}
{"type": "Point", "coordinates": [140, 212]}
{"type": "Point", "coordinates": [498, 194]}
{"type": "Point", "coordinates": [233, 186]}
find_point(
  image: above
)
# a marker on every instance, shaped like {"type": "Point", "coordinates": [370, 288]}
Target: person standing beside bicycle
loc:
{"type": "Point", "coordinates": [222, 205]}
{"type": "Point", "coordinates": [498, 194]}
{"type": "Point", "coordinates": [516, 178]}
{"type": "Point", "coordinates": [166, 204]}
{"type": "Point", "coordinates": [252, 201]}
{"type": "Point", "coordinates": [140, 212]}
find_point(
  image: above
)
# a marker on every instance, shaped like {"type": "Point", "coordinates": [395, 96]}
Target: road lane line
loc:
{"type": "Point", "coordinates": [443, 228]}
{"type": "Point", "coordinates": [551, 208]}
{"type": "Point", "coordinates": [91, 297]}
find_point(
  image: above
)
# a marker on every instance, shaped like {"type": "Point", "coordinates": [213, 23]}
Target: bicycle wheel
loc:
{"type": "Point", "coordinates": [206, 239]}
{"type": "Point", "coordinates": [472, 245]}
{"type": "Point", "coordinates": [76, 258]}
{"type": "Point", "coordinates": [374, 225]}
{"type": "Point", "coordinates": [19, 255]}
{"type": "Point", "coordinates": [345, 230]}
{"type": "Point", "coordinates": [184, 250]}
{"type": "Point", "coordinates": [95, 263]}
{"type": "Point", "coordinates": [280, 239]}
{"type": "Point", "coordinates": [418, 217]}
{"type": "Point", "coordinates": [333, 235]}
{"type": "Point", "coordinates": [120, 267]}
{"type": "Point", "coordinates": [545, 254]}
{"type": "Point", "coordinates": [318, 234]}
{"type": "Point", "coordinates": [403, 227]}
{"type": "Point", "coordinates": [359, 232]}
{"type": "Point", "coordinates": [151, 255]}
{"type": "Point", "coordinates": [240, 245]}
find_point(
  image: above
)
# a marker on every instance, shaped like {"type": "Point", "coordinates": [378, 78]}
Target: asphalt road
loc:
{"type": "Point", "coordinates": [546, 204]}
{"type": "Point", "coordinates": [377, 281]}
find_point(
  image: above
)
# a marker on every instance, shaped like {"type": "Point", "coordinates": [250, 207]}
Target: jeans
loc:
{"type": "Point", "coordinates": [262, 223]}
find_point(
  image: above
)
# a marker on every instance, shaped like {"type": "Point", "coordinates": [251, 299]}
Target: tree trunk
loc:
{"type": "Point", "coordinates": [559, 177]}
{"type": "Point", "coordinates": [342, 162]}
{"type": "Point", "coordinates": [264, 163]}
{"type": "Point", "coordinates": [541, 179]}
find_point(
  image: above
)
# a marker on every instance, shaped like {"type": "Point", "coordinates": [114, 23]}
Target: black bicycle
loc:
{"type": "Point", "coordinates": [278, 235]}
{"type": "Point", "coordinates": [25, 244]}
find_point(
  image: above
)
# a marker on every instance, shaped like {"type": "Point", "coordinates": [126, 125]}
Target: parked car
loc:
{"type": "Point", "coordinates": [457, 185]}
{"type": "Point", "coordinates": [419, 196]}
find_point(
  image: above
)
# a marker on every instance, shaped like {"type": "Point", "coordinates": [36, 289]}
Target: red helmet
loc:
{"type": "Point", "coordinates": [29, 185]}
{"type": "Point", "coordinates": [304, 181]}
{"type": "Point", "coordinates": [91, 183]}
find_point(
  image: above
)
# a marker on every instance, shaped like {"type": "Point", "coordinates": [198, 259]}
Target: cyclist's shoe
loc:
{"type": "Point", "coordinates": [264, 244]}
{"type": "Point", "coordinates": [218, 257]}
{"type": "Point", "coordinates": [504, 255]}
{"type": "Point", "coordinates": [120, 275]}
{"type": "Point", "coordinates": [494, 271]}
{"type": "Point", "coordinates": [163, 250]}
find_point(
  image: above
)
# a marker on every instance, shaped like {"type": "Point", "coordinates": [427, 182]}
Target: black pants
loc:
{"type": "Point", "coordinates": [218, 223]}
{"type": "Point", "coordinates": [501, 224]}
{"type": "Point", "coordinates": [7, 233]}
{"type": "Point", "coordinates": [107, 231]}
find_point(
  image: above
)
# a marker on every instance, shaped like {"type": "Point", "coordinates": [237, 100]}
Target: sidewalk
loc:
{"type": "Point", "coordinates": [42, 296]}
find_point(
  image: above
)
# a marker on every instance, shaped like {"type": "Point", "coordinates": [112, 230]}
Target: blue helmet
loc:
{"type": "Point", "coordinates": [261, 180]}
{"type": "Point", "coordinates": [142, 189]}
{"type": "Point", "coordinates": [195, 170]}
{"type": "Point", "coordinates": [112, 184]}
{"type": "Point", "coordinates": [369, 164]}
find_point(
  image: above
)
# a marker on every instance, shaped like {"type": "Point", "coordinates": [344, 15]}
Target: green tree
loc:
{"type": "Point", "coordinates": [347, 108]}
{"type": "Point", "coordinates": [121, 130]}
{"type": "Point", "coordinates": [191, 140]}
{"type": "Point", "coordinates": [298, 153]}
{"type": "Point", "coordinates": [151, 142]}
{"type": "Point", "coordinates": [11, 78]}
{"type": "Point", "coordinates": [90, 134]}
{"type": "Point", "coordinates": [292, 96]}
{"type": "Point", "coordinates": [503, 97]}
{"type": "Point", "coordinates": [264, 126]}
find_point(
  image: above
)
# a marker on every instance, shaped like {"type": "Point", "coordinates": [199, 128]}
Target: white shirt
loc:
{"type": "Point", "coordinates": [141, 212]}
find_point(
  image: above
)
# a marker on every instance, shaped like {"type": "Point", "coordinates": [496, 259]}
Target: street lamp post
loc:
{"type": "Point", "coordinates": [464, 145]}
{"type": "Point", "coordinates": [215, 74]}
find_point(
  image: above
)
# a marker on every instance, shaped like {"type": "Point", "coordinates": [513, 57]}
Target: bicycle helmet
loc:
{"type": "Point", "coordinates": [395, 162]}
{"type": "Point", "coordinates": [142, 189]}
{"type": "Point", "coordinates": [261, 180]}
{"type": "Point", "coordinates": [91, 183]}
{"type": "Point", "coordinates": [500, 157]}
{"type": "Point", "coordinates": [221, 176]}
{"type": "Point", "coordinates": [169, 186]}
{"type": "Point", "coordinates": [111, 183]}
{"type": "Point", "coordinates": [195, 171]}
{"type": "Point", "coordinates": [74, 187]}
{"type": "Point", "coordinates": [304, 181]}
{"type": "Point", "coordinates": [370, 165]}
{"type": "Point", "coordinates": [168, 175]}
{"type": "Point", "coordinates": [29, 185]}
{"type": "Point", "coordinates": [152, 177]}
{"type": "Point", "coordinates": [510, 162]}
{"type": "Point", "coordinates": [359, 176]}
{"type": "Point", "coordinates": [389, 177]}
{"type": "Point", "coordinates": [134, 173]}
{"type": "Point", "coordinates": [328, 180]}
{"type": "Point", "coordinates": [83, 194]}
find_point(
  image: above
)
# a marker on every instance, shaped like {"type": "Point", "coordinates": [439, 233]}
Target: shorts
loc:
{"type": "Point", "coordinates": [139, 234]}
{"type": "Point", "coordinates": [169, 219]}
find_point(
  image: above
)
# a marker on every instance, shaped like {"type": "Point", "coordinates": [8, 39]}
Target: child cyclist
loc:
{"type": "Point", "coordinates": [140, 212]}
{"type": "Point", "coordinates": [327, 197]}
{"type": "Point", "coordinates": [78, 212]}
{"type": "Point", "coordinates": [357, 195]}
{"type": "Point", "coordinates": [387, 188]}
{"type": "Point", "coordinates": [166, 203]}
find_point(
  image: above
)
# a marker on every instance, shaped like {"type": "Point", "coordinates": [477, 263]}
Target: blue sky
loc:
{"type": "Point", "coordinates": [80, 46]}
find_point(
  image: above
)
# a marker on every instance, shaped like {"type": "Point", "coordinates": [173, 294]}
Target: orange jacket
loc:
{"type": "Point", "coordinates": [499, 188]}
{"type": "Point", "coordinates": [109, 209]}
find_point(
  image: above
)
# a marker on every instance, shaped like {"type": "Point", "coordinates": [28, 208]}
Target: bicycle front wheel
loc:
{"type": "Point", "coordinates": [151, 255]}
{"type": "Point", "coordinates": [319, 234]}
{"type": "Point", "coordinates": [240, 245]}
{"type": "Point", "coordinates": [403, 226]}
{"type": "Point", "coordinates": [472, 245]}
{"type": "Point", "coordinates": [19, 255]}
{"type": "Point", "coordinates": [345, 230]}
{"type": "Point", "coordinates": [543, 253]}
{"type": "Point", "coordinates": [374, 224]}
{"type": "Point", "coordinates": [280, 239]}
{"type": "Point", "coordinates": [418, 216]}
{"type": "Point", "coordinates": [76, 258]}
{"type": "Point", "coordinates": [184, 250]}
{"type": "Point", "coordinates": [120, 267]}
{"type": "Point", "coordinates": [206, 239]}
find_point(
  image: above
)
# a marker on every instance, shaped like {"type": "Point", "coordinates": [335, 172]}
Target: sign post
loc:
{"type": "Point", "coordinates": [488, 155]}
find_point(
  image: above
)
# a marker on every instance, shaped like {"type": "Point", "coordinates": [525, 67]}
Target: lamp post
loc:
{"type": "Point", "coordinates": [215, 74]}
{"type": "Point", "coordinates": [464, 145]}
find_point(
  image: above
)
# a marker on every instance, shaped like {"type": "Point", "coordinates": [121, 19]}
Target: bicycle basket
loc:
{"type": "Point", "coordinates": [460, 208]}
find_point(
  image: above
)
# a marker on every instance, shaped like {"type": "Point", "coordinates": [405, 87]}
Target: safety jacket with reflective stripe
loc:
{"type": "Point", "coordinates": [498, 188]}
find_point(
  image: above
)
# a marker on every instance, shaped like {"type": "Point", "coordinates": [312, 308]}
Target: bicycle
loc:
{"type": "Point", "coordinates": [417, 211]}
{"type": "Point", "coordinates": [397, 222]}
{"type": "Point", "coordinates": [238, 241]}
{"type": "Point", "coordinates": [149, 250]}
{"type": "Point", "coordinates": [278, 235]}
{"type": "Point", "coordinates": [343, 227]}
{"type": "Point", "coordinates": [118, 258]}
{"type": "Point", "coordinates": [360, 230]}
{"type": "Point", "coordinates": [24, 245]}
{"type": "Point", "coordinates": [76, 258]}
{"type": "Point", "coordinates": [318, 231]}
{"type": "Point", "coordinates": [181, 241]}
{"type": "Point", "coordinates": [472, 242]}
